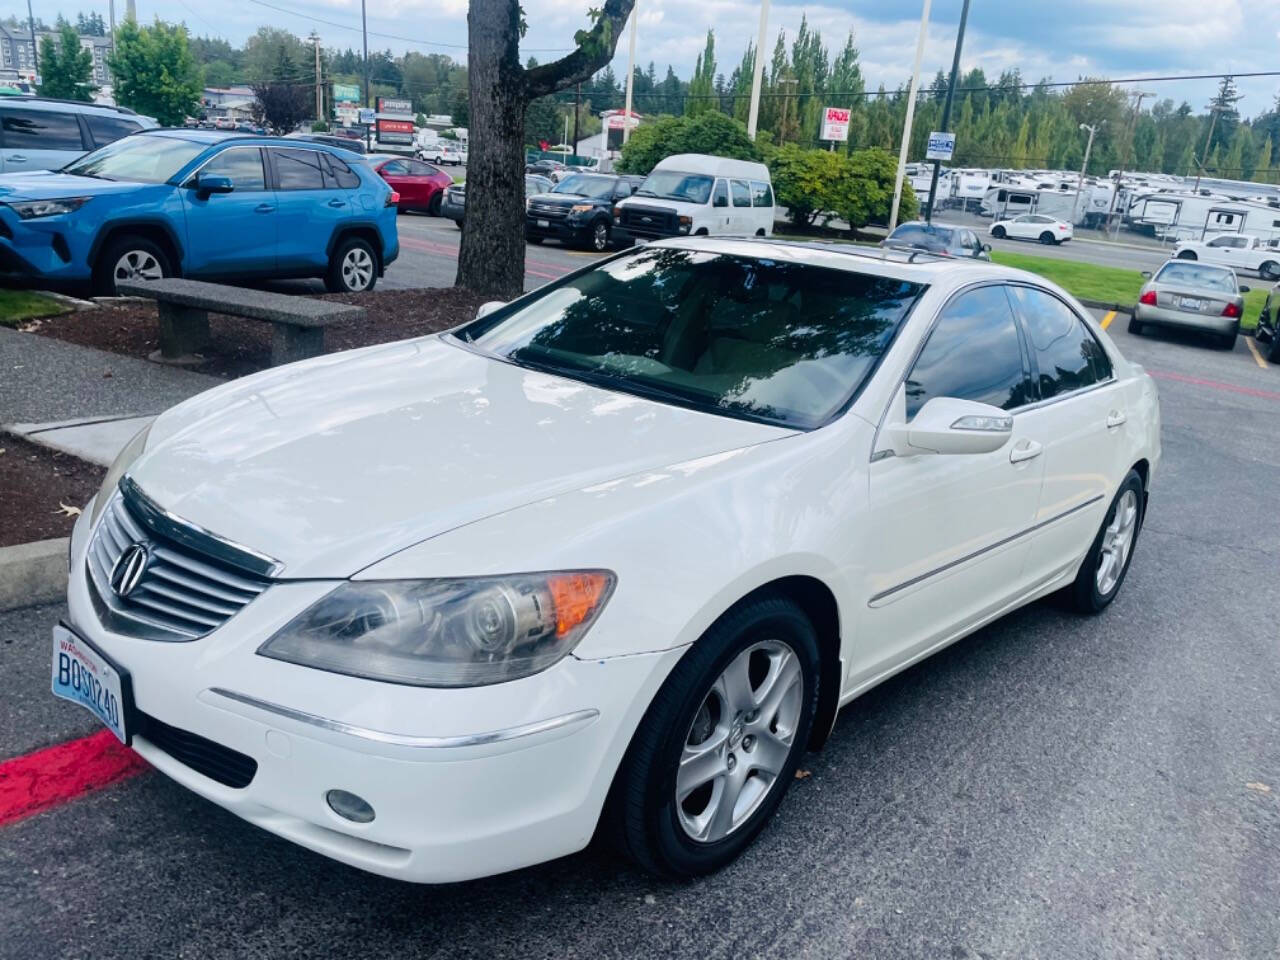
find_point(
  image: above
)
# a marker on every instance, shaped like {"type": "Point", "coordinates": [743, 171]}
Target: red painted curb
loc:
{"type": "Point", "coordinates": [1215, 384]}
{"type": "Point", "coordinates": [48, 778]}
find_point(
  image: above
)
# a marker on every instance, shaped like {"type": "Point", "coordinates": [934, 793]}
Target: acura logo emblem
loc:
{"type": "Point", "coordinates": [128, 569]}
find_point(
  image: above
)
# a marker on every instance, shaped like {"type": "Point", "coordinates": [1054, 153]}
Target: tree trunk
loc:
{"type": "Point", "coordinates": [491, 260]}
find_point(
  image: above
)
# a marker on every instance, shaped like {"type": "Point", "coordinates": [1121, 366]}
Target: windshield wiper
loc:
{"type": "Point", "coordinates": [644, 193]}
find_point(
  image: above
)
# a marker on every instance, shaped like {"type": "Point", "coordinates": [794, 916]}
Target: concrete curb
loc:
{"type": "Point", "coordinates": [1125, 308]}
{"type": "Point", "coordinates": [32, 573]}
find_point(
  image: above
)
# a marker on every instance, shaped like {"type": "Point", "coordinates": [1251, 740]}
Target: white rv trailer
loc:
{"type": "Point", "coordinates": [969, 187]}
{"type": "Point", "coordinates": [1194, 216]}
{"type": "Point", "coordinates": [1005, 201]}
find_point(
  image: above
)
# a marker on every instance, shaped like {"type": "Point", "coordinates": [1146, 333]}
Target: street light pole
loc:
{"type": "Point", "coordinates": [315, 40]}
{"type": "Point", "coordinates": [1084, 167]}
{"type": "Point", "coordinates": [946, 108]}
{"type": "Point", "coordinates": [911, 113]}
{"type": "Point", "coordinates": [364, 29]}
{"type": "Point", "coordinates": [631, 76]}
{"type": "Point", "coordinates": [757, 73]}
{"type": "Point", "coordinates": [35, 46]}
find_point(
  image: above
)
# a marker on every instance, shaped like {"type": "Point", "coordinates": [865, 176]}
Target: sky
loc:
{"type": "Point", "coordinates": [1062, 39]}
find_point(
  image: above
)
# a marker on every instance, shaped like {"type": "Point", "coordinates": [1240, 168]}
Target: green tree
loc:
{"type": "Point", "coordinates": [805, 181]}
{"type": "Point", "coordinates": [66, 68]}
{"type": "Point", "coordinates": [712, 133]}
{"type": "Point", "coordinates": [155, 72]}
{"type": "Point", "coordinates": [703, 82]}
{"type": "Point", "coordinates": [863, 193]}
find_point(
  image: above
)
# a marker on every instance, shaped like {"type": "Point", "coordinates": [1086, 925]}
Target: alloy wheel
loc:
{"type": "Point", "coordinates": [357, 269]}
{"type": "Point", "coordinates": [1117, 542]}
{"type": "Point", "coordinates": [137, 265]}
{"type": "Point", "coordinates": [600, 236]}
{"type": "Point", "coordinates": [739, 740]}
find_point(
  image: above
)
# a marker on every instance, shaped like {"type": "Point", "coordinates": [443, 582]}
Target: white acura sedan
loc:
{"type": "Point", "coordinates": [610, 555]}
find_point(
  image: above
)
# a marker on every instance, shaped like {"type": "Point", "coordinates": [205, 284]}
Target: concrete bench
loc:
{"type": "Point", "coordinates": [184, 305]}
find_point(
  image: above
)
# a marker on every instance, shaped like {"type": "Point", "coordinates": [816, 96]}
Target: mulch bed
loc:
{"type": "Point", "coordinates": [37, 485]}
{"type": "Point", "coordinates": [240, 346]}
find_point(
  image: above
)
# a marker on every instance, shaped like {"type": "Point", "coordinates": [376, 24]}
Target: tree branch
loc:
{"type": "Point", "coordinates": [595, 49]}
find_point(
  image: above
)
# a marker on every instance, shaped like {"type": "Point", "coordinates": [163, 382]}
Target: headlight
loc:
{"type": "Point", "coordinates": [131, 452]}
{"type": "Point", "coordinates": [686, 223]}
{"type": "Point", "coordinates": [581, 208]}
{"type": "Point", "coordinates": [445, 633]}
{"type": "Point", "coordinates": [30, 209]}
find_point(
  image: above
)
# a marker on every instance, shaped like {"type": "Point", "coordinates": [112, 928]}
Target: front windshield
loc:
{"type": "Point", "coordinates": [585, 185]}
{"type": "Point", "coordinates": [1197, 275]}
{"type": "Point", "coordinates": [784, 343]}
{"type": "Point", "coordinates": [921, 235]}
{"type": "Point", "coordinates": [670, 185]}
{"type": "Point", "coordinates": [146, 159]}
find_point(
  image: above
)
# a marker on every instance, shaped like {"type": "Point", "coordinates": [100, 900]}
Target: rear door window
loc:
{"type": "Point", "coordinates": [1067, 355]}
{"type": "Point", "coordinates": [297, 169]}
{"type": "Point", "coordinates": [339, 174]}
{"type": "Point", "coordinates": [741, 193]}
{"type": "Point", "coordinates": [761, 194]}
{"type": "Point", "coordinates": [40, 130]}
{"type": "Point", "coordinates": [106, 130]}
{"type": "Point", "coordinates": [720, 195]}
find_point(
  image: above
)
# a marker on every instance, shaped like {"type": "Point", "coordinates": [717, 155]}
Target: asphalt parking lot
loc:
{"type": "Point", "coordinates": [1049, 787]}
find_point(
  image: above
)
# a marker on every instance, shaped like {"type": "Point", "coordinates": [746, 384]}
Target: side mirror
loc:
{"type": "Point", "coordinates": [208, 184]}
{"type": "Point", "coordinates": [488, 308]}
{"type": "Point", "coordinates": [947, 425]}
{"type": "Point", "coordinates": [1146, 274]}
{"type": "Point", "coordinates": [1243, 289]}
{"type": "Point", "coordinates": [986, 248]}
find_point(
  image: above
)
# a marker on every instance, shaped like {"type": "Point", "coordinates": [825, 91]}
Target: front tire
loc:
{"type": "Point", "coordinates": [1269, 270]}
{"type": "Point", "coordinates": [599, 238]}
{"type": "Point", "coordinates": [1188, 255]}
{"type": "Point", "coordinates": [129, 257]}
{"type": "Point", "coordinates": [1135, 326]}
{"type": "Point", "coordinates": [1048, 238]}
{"type": "Point", "coordinates": [353, 268]}
{"type": "Point", "coordinates": [1105, 565]}
{"type": "Point", "coordinates": [720, 743]}
{"type": "Point", "coordinates": [998, 232]}
{"type": "Point", "coordinates": [433, 208]}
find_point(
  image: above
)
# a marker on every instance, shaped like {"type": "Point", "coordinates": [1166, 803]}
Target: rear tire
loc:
{"type": "Point", "coordinates": [743, 700]}
{"type": "Point", "coordinates": [433, 208]}
{"type": "Point", "coordinates": [1135, 326]}
{"type": "Point", "coordinates": [534, 240]}
{"type": "Point", "coordinates": [1048, 237]}
{"type": "Point", "coordinates": [1227, 341]}
{"type": "Point", "coordinates": [998, 232]}
{"type": "Point", "coordinates": [1094, 588]}
{"type": "Point", "coordinates": [1274, 355]}
{"type": "Point", "coordinates": [1188, 255]}
{"type": "Point", "coordinates": [129, 257]}
{"type": "Point", "coordinates": [1269, 270]}
{"type": "Point", "coordinates": [353, 268]}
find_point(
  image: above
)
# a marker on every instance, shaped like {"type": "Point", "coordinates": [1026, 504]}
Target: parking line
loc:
{"type": "Point", "coordinates": [1257, 354]}
{"type": "Point", "coordinates": [1106, 321]}
{"type": "Point", "coordinates": [1215, 384]}
{"type": "Point", "coordinates": [48, 778]}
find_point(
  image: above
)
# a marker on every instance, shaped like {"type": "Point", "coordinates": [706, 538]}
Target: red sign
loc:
{"type": "Point", "coordinates": [395, 126]}
{"type": "Point", "coordinates": [835, 123]}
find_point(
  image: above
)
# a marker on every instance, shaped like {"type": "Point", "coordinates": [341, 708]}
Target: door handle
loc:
{"type": "Point", "coordinates": [335, 202]}
{"type": "Point", "coordinates": [16, 158]}
{"type": "Point", "coordinates": [263, 208]}
{"type": "Point", "coordinates": [1025, 450]}
{"type": "Point", "coordinates": [1115, 418]}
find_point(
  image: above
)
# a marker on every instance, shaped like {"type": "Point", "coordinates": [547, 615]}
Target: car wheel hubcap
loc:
{"type": "Point", "coordinates": [601, 237]}
{"type": "Point", "coordinates": [1117, 542]}
{"type": "Point", "coordinates": [138, 265]}
{"type": "Point", "coordinates": [739, 741]}
{"type": "Point", "coordinates": [357, 269]}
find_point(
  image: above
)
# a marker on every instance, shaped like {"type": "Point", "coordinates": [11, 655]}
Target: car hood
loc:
{"type": "Point", "coordinates": [336, 463]}
{"type": "Point", "coordinates": [49, 184]}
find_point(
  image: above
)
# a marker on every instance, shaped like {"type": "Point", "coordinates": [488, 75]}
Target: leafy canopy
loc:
{"type": "Point", "coordinates": [155, 72]}
{"type": "Point", "coordinates": [66, 68]}
{"type": "Point", "coordinates": [710, 132]}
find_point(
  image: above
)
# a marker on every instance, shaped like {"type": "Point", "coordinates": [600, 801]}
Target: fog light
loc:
{"type": "Point", "coordinates": [348, 806]}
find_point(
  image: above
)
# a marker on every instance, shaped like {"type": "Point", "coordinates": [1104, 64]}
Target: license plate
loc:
{"type": "Point", "coordinates": [544, 223]}
{"type": "Point", "coordinates": [1190, 303]}
{"type": "Point", "coordinates": [83, 674]}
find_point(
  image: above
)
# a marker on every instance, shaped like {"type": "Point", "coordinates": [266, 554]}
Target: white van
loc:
{"type": "Point", "coordinates": [696, 194]}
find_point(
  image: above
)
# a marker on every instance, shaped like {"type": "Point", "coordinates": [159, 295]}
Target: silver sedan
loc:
{"type": "Point", "coordinates": [1193, 296]}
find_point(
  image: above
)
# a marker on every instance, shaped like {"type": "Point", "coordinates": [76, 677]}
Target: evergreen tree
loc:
{"type": "Point", "coordinates": [66, 68]}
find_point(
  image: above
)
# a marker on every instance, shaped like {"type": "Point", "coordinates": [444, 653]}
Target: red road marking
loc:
{"type": "Point", "coordinates": [1215, 384]}
{"type": "Point", "coordinates": [427, 246]}
{"type": "Point", "coordinates": [56, 775]}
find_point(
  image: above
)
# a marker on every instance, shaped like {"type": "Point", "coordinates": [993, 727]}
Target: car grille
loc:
{"type": "Point", "coordinates": [547, 211]}
{"type": "Point", "coordinates": [181, 595]}
{"type": "Point", "coordinates": [650, 221]}
{"type": "Point", "coordinates": [228, 767]}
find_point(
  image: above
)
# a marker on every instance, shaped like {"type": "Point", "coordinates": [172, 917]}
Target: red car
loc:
{"type": "Point", "coordinates": [420, 185]}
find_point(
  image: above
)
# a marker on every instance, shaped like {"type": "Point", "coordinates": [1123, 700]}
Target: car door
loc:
{"type": "Point", "coordinates": [231, 233]}
{"type": "Point", "coordinates": [396, 173]}
{"type": "Point", "coordinates": [721, 212]}
{"type": "Point", "coordinates": [741, 220]}
{"type": "Point", "coordinates": [1022, 227]}
{"type": "Point", "coordinates": [34, 139]}
{"type": "Point", "coordinates": [1221, 250]}
{"type": "Point", "coordinates": [426, 183]}
{"type": "Point", "coordinates": [947, 534]}
{"type": "Point", "coordinates": [1080, 421]}
{"type": "Point", "coordinates": [311, 207]}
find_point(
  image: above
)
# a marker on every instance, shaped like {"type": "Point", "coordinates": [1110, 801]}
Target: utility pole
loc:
{"type": "Point", "coordinates": [1084, 167]}
{"type": "Point", "coordinates": [1214, 110]}
{"type": "Point", "coordinates": [757, 73]}
{"type": "Point", "coordinates": [364, 29]}
{"type": "Point", "coordinates": [577, 109]}
{"type": "Point", "coordinates": [111, 14]}
{"type": "Point", "coordinates": [911, 112]}
{"type": "Point", "coordinates": [631, 76]}
{"type": "Point", "coordinates": [946, 109]}
{"type": "Point", "coordinates": [315, 40]}
{"type": "Point", "coordinates": [1138, 96]}
{"type": "Point", "coordinates": [35, 46]}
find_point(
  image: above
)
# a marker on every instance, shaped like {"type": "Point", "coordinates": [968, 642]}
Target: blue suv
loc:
{"type": "Point", "coordinates": [205, 204]}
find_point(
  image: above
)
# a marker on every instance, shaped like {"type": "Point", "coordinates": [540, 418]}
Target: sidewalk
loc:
{"type": "Point", "coordinates": [82, 400]}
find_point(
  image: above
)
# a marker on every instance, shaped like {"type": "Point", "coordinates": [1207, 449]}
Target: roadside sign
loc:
{"type": "Point", "coordinates": [835, 123]}
{"type": "Point", "coordinates": [941, 146]}
{"type": "Point", "coordinates": [367, 116]}
{"type": "Point", "coordinates": [395, 131]}
{"type": "Point", "coordinates": [346, 93]}
{"type": "Point", "coordinates": [395, 105]}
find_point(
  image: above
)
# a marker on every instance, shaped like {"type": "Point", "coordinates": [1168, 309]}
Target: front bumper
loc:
{"type": "Point", "coordinates": [1163, 316]}
{"type": "Point", "coordinates": [452, 211]}
{"type": "Point", "coordinates": [566, 230]}
{"type": "Point", "coordinates": [464, 783]}
{"type": "Point", "coordinates": [48, 248]}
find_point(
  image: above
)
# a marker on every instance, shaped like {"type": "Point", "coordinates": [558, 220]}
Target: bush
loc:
{"type": "Point", "coordinates": [319, 126]}
{"type": "Point", "coordinates": [857, 187]}
{"type": "Point", "coordinates": [709, 133]}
